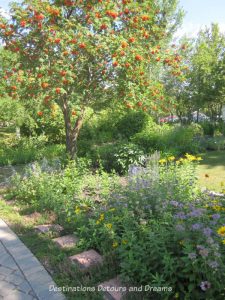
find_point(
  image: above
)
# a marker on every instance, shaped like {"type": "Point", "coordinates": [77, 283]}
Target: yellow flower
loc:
{"type": "Point", "coordinates": [218, 208]}
{"type": "Point", "coordinates": [198, 158]}
{"type": "Point", "coordinates": [109, 225]}
{"type": "Point", "coordinates": [221, 231]}
{"type": "Point", "coordinates": [162, 161]}
{"type": "Point", "coordinates": [124, 242]}
{"type": "Point", "coordinates": [180, 160]}
{"type": "Point", "coordinates": [77, 210]}
{"type": "Point", "coordinates": [101, 218]}
{"type": "Point", "coordinates": [190, 157]}
{"type": "Point", "coordinates": [115, 244]}
{"type": "Point", "coordinates": [171, 158]}
{"type": "Point", "coordinates": [223, 241]}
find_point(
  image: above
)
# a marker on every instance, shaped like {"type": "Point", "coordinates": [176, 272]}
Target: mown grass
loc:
{"type": "Point", "coordinates": [211, 171]}
{"type": "Point", "coordinates": [54, 260]}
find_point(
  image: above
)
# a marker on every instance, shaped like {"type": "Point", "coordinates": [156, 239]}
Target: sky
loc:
{"type": "Point", "coordinates": [199, 13]}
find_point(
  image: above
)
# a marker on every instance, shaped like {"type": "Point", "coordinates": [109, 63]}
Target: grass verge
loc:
{"type": "Point", "coordinates": [53, 259]}
{"type": "Point", "coordinates": [211, 171]}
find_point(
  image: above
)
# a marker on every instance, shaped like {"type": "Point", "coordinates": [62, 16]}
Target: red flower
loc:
{"type": "Point", "coordinates": [40, 113]}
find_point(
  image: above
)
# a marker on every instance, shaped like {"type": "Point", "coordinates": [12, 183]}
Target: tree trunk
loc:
{"type": "Point", "coordinates": [72, 132]}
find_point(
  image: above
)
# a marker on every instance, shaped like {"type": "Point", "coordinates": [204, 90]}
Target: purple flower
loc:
{"type": "Point", "coordinates": [216, 216]}
{"type": "Point", "coordinates": [207, 231]}
{"type": "Point", "coordinates": [196, 212]}
{"type": "Point", "coordinates": [196, 226]}
{"type": "Point", "coordinates": [205, 285]}
{"type": "Point", "coordinates": [192, 255]}
{"type": "Point", "coordinates": [213, 264]}
{"type": "Point", "coordinates": [200, 247]}
{"type": "Point", "coordinates": [180, 227]}
{"type": "Point", "coordinates": [174, 203]}
{"type": "Point", "coordinates": [217, 254]}
{"type": "Point", "coordinates": [180, 215]}
{"type": "Point", "coordinates": [210, 240]}
{"type": "Point", "coordinates": [204, 252]}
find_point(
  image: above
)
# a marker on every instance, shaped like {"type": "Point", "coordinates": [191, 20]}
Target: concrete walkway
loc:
{"type": "Point", "coordinates": [22, 277]}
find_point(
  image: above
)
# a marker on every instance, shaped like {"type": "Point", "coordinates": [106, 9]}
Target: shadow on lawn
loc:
{"type": "Point", "coordinates": [213, 159]}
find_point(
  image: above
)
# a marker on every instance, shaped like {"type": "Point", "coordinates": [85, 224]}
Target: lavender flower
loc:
{"type": "Point", "coordinates": [174, 203]}
{"type": "Point", "coordinates": [192, 255]}
{"type": "Point", "coordinates": [204, 252]}
{"type": "Point", "coordinates": [180, 227]}
{"type": "Point", "coordinates": [213, 264]}
{"type": "Point", "coordinates": [210, 240]}
{"type": "Point", "coordinates": [200, 247]}
{"type": "Point", "coordinates": [216, 216]}
{"type": "Point", "coordinates": [180, 215]}
{"type": "Point", "coordinates": [205, 285]}
{"type": "Point", "coordinates": [196, 212]}
{"type": "Point", "coordinates": [207, 231]}
{"type": "Point", "coordinates": [196, 226]}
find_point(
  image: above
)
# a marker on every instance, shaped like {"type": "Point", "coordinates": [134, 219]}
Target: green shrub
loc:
{"type": "Point", "coordinates": [126, 155]}
{"type": "Point", "coordinates": [131, 123]}
{"type": "Point", "coordinates": [184, 138]}
{"type": "Point", "coordinates": [25, 150]}
{"type": "Point", "coordinates": [180, 139]}
{"type": "Point", "coordinates": [208, 128]}
{"type": "Point", "coordinates": [213, 143]}
{"type": "Point", "coordinates": [116, 156]}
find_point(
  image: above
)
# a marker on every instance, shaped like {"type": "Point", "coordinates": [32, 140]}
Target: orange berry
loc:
{"type": "Point", "coordinates": [132, 40]}
{"type": "Point", "coordinates": [58, 90]}
{"type": "Point", "coordinates": [23, 23]}
{"type": "Point", "coordinates": [44, 85]}
{"type": "Point", "coordinates": [82, 46]}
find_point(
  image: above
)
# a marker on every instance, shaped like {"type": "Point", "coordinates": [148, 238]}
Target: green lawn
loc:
{"type": "Point", "coordinates": [211, 171]}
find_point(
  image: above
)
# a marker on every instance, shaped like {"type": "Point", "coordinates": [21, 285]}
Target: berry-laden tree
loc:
{"type": "Point", "coordinates": [82, 54]}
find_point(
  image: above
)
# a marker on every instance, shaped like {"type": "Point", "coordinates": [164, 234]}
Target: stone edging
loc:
{"type": "Point", "coordinates": [33, 271]}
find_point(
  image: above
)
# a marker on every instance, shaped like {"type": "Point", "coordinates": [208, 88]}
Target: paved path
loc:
{"type": "Point", "coordinates": [22, 277]}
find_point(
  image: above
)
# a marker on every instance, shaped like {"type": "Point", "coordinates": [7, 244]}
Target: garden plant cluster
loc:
{"type": "Point", "coordinates": [158, 226]}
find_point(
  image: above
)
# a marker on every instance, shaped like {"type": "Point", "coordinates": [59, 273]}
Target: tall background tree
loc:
{"type": "Point", "coordinates": [81, 54]}
{"type": "Point", "coordinates": [204, 85]}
